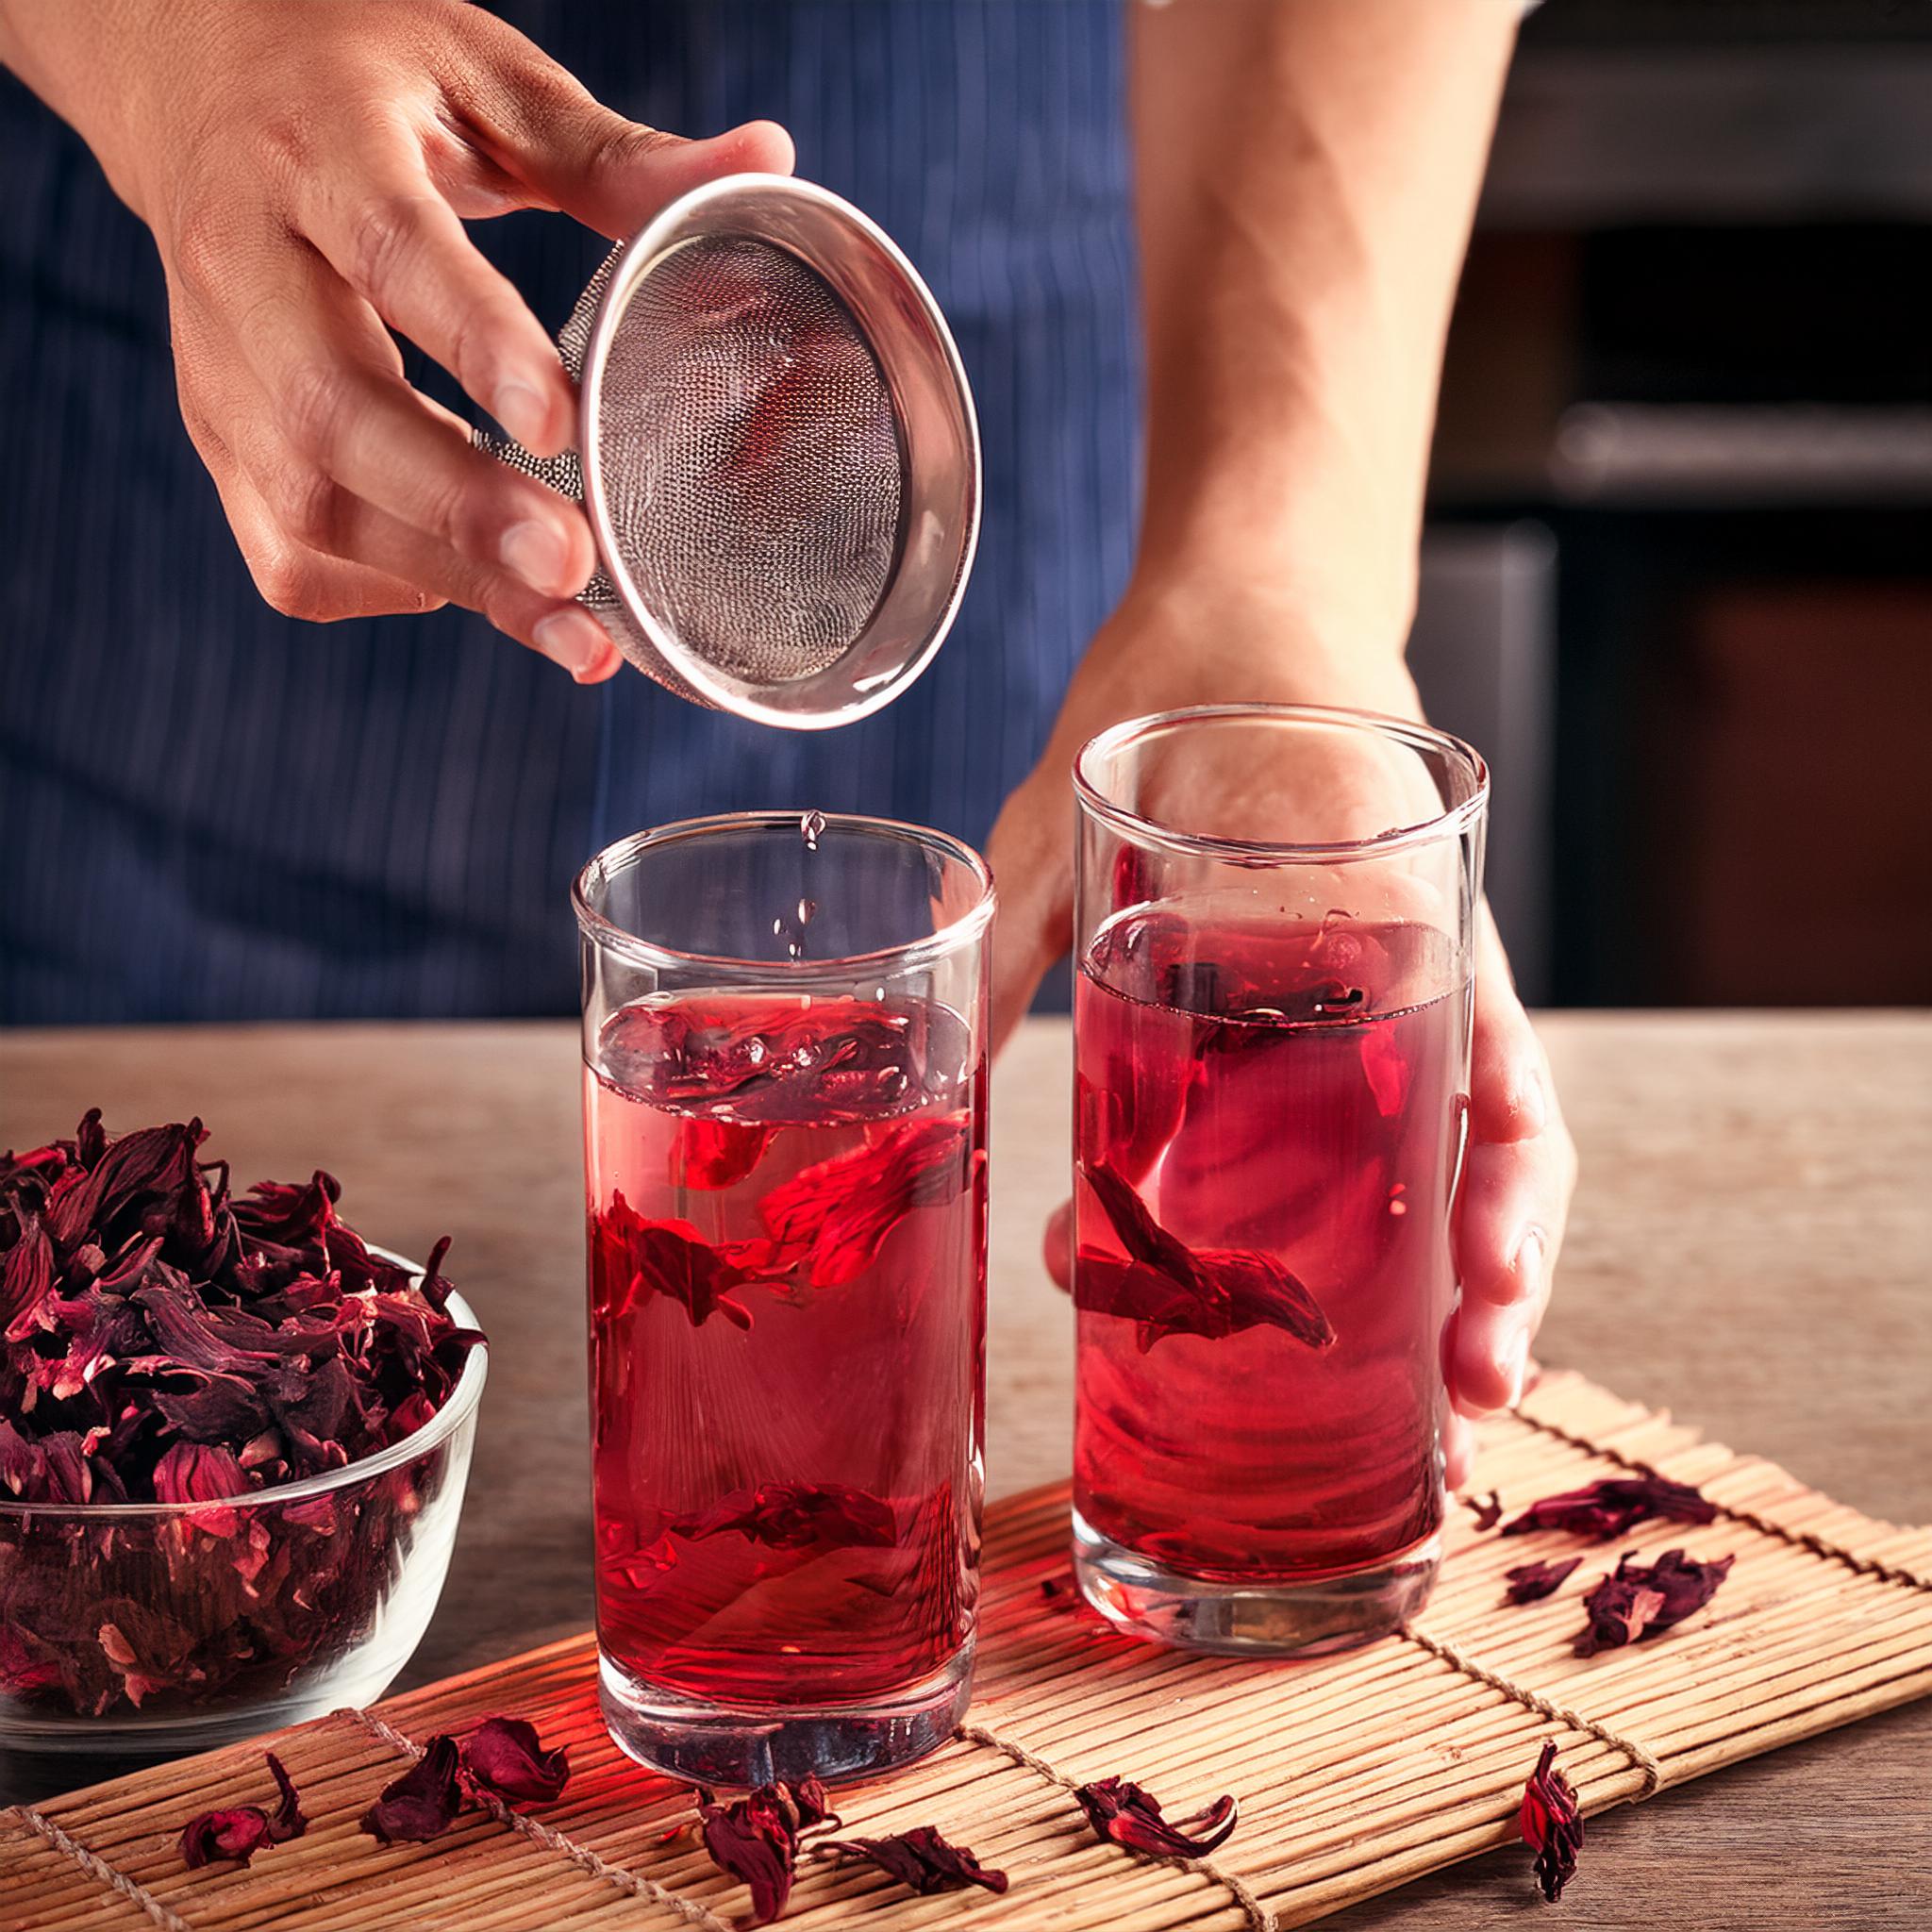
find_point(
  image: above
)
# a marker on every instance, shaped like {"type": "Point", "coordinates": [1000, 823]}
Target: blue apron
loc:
{"type": "Point", "coordinates": [211, 811]}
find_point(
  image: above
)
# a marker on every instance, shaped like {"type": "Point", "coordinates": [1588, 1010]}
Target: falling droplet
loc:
{"type": "Point", "coordinates": [811, 829]}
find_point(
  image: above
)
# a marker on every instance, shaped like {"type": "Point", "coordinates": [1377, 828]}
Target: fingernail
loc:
{"type": "Point", "coordinates": [575, 640]}
{"type": "Point", "coordinates": [538, 555]}
{"type": "Point", "coordinates": [1528, 1265]}
{"type": "Point", "coordinates": [1516, 1366]}
{"type": "Point", "coordinates": [520, 409]}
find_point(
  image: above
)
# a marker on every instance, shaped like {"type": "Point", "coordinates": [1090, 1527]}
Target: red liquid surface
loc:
{"type": "Point", "coordinates": [1259, 1379]}
{"type": "Point", "coordinates": [788, 1259]}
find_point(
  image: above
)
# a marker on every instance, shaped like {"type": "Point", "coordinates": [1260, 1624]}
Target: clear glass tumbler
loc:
{"type": "Point", "coordinates": [785, 1132]}
{"type": "Point", "coordinates": [1273, 923]}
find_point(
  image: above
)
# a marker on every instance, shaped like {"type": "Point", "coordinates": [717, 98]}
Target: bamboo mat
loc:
{"type": "Point", "coordinates": [1355, 1773]}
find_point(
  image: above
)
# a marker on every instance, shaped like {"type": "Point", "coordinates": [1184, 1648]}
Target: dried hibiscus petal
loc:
{"type": "Point", "coordinates": [1169, 1289]}
{"type": "Point", "coordinates": [236, 1833]}
{"type": "Point", "coordinates": [1529, 1583]}
{"type": "Point", "coordinates": [1488, 1511]}
{"type": "Point", "coordinates": [1606, 1510]}
{"type": "Point", "coordinates": [1551, 1824]}
{"type": "Point", "coordinates": [422, 1802]}
{"type": "Point", "coordinates": [505, 1756]}
{"type": "Point", "coordinates": [288, 1821]}
{"type": "Point", "coordinates": [919, 1859]}
{"type": "Point", "coordinates": [756, 1838]}
{"type": "Point", "coordinates": [241, 1830]}
{"type": "Point", "coordinates": [1643, 1600]}
{"type": "Point", "coordinates": [1130, 1816]}
{"type": "Point", "coordinates": [838, 1212]}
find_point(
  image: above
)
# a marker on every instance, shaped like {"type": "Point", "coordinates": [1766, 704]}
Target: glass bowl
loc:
{"type": "Point", "coordinates": [146, 1628]}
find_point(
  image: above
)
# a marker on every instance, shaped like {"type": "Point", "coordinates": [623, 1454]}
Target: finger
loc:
{"type": "Point", "coordinates": [324, 362]}
{"type": "Point", "coordinates": [1056, 1245]}
{"type": "Point", "coordinates": [1509, 1087]}
{"type": "Point", "coordinates": [562, 631]}
{"type": "Point", "coordinates": [1488, 1358]}
{"type": "Point", "coordinates": [1029, 854]}
{"type": "Point", "coordinates": [400, 246]}
{"type": "Point", "coordinates": [545, 130]}
{"type": "Point", "coordinates": [293, 580]}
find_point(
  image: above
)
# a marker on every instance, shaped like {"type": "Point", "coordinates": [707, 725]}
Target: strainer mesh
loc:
{"type": "Point", "coordinates": [752, 460]}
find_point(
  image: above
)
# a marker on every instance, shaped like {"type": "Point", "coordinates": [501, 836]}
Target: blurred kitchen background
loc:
{"type": "Point", "coordinates": [1678, 575]}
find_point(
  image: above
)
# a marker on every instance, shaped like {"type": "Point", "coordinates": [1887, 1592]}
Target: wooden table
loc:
{"type": "Point", "coordinates": [1752, 1246]}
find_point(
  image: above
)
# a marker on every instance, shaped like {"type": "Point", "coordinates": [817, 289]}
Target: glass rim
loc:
{"type": "Point", "coordinates": [459, 1404]}
{"type": "Point", "coordinates": [1450, 822]}
{"type": "Point", "coordinates": [969, 925]}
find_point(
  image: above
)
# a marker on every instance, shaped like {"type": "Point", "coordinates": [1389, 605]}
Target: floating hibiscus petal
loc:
{"type": "Point", "coordinates": [840, 1212]}
{"type": "Point", "coordinates": [1530, 1583]}
{"type": "Point", "coordinates": [422, 1802]}
{"type": "Point", "coordinates": [1606, 1510]}
{"type": "Point", "coordinates": [1643, 1600]}
{"type": "Point", "coordinates": [796, 1516]}
{"type": "Point", "coordinates": [1551, 1824]}
{"type": "Point", "coordinates": [505, 1756]}
{"type": "Point", "coordinates": [1169, 1289]}
{"type": "Point", "coordinates": [1130, 1816]}
{"type": "Point", "coordinates": [919, 1859]}
{"type": "Point", "coordinates": [631, 1257]}
{"type": "Point", "coordinates": [712, 1153]}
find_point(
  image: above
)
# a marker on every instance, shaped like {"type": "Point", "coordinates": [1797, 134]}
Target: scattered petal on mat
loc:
{"type": "Point", "coordinates": [238, 1833]}
{"type": "Point", "coordinates": [1605, 1510]}
{"type": "Point", "coordinates": [1488, 1511]}
{"type": "Point", "coordinates": [287, 1822]}
{"type": "Point", "coordinates": [756, 1838]}
{"type": "Point", "coordinates": [1551, 1824]}
{"type": "Point", "coordinates": [505, 1756]}
{"type": "Point", "coordinates": [1529, 1583]}
{"type": "Point", "coordinates": [1641, 1601]}
{"type": "Point", "coordinates": [919, 1859]}
{"type": "Point", "coordinates": [422, 1802]}
{"type": "Point", "coordinates": [1122, 1811]}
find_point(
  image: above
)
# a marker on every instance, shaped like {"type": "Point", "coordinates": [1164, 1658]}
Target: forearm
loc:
{"type": "Point", "coordinates": [1307, 173]}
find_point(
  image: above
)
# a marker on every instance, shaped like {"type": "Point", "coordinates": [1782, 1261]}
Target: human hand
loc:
{"type": "Point", "coordinates": [306, 172]}
{"type": "Point", "coordinates": [1191, 641]}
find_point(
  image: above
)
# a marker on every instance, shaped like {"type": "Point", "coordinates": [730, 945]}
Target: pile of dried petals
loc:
{"type": "Point", "coordinates": [242, 1830]}
{"type": "Point", "coordinates": [1551, 1824]}
{"type": "Point", "coordinates": [162, 1340]}
{"type": "Point", "coordinates": [502, 1762]}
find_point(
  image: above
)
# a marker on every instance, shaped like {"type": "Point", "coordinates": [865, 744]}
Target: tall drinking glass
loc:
{"type": "Point", "coordinates": [1274, 910]}
{"type": "Point", "coordinates": [784, 1133]}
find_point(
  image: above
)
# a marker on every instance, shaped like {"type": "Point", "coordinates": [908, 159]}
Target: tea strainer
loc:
{"type": "Point", "coordinates": [779, 455]}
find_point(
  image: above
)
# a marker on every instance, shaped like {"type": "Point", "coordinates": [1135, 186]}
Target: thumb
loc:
{"type": "Point", "coordinates": [614, 174]}
{"type": "Point", "coordinates": [1031, 853]}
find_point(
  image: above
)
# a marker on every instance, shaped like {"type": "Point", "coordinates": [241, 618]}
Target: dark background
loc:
{"type": "Point", "coordinates": [1678, 578]}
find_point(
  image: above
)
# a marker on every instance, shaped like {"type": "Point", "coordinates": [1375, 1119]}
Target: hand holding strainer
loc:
{"type": "Point", "coordinates": [778, 454]}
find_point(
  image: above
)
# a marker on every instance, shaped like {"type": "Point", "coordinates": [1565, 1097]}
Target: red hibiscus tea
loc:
{"type": "Point", "coordinates": [1271, 1059]}
{"type": "Point", "coordinates": [786, 1193]}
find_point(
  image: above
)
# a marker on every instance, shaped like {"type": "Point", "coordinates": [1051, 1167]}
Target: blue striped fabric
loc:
{"type": "Point", "coordinates": [208, 811]}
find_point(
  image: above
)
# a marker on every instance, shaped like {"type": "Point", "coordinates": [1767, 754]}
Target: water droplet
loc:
{"type": "Point", "coordinates": [811, 829]}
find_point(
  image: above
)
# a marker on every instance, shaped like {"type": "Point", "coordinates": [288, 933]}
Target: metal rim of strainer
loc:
{"type": "Point", "coordinates": [939, 433]}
